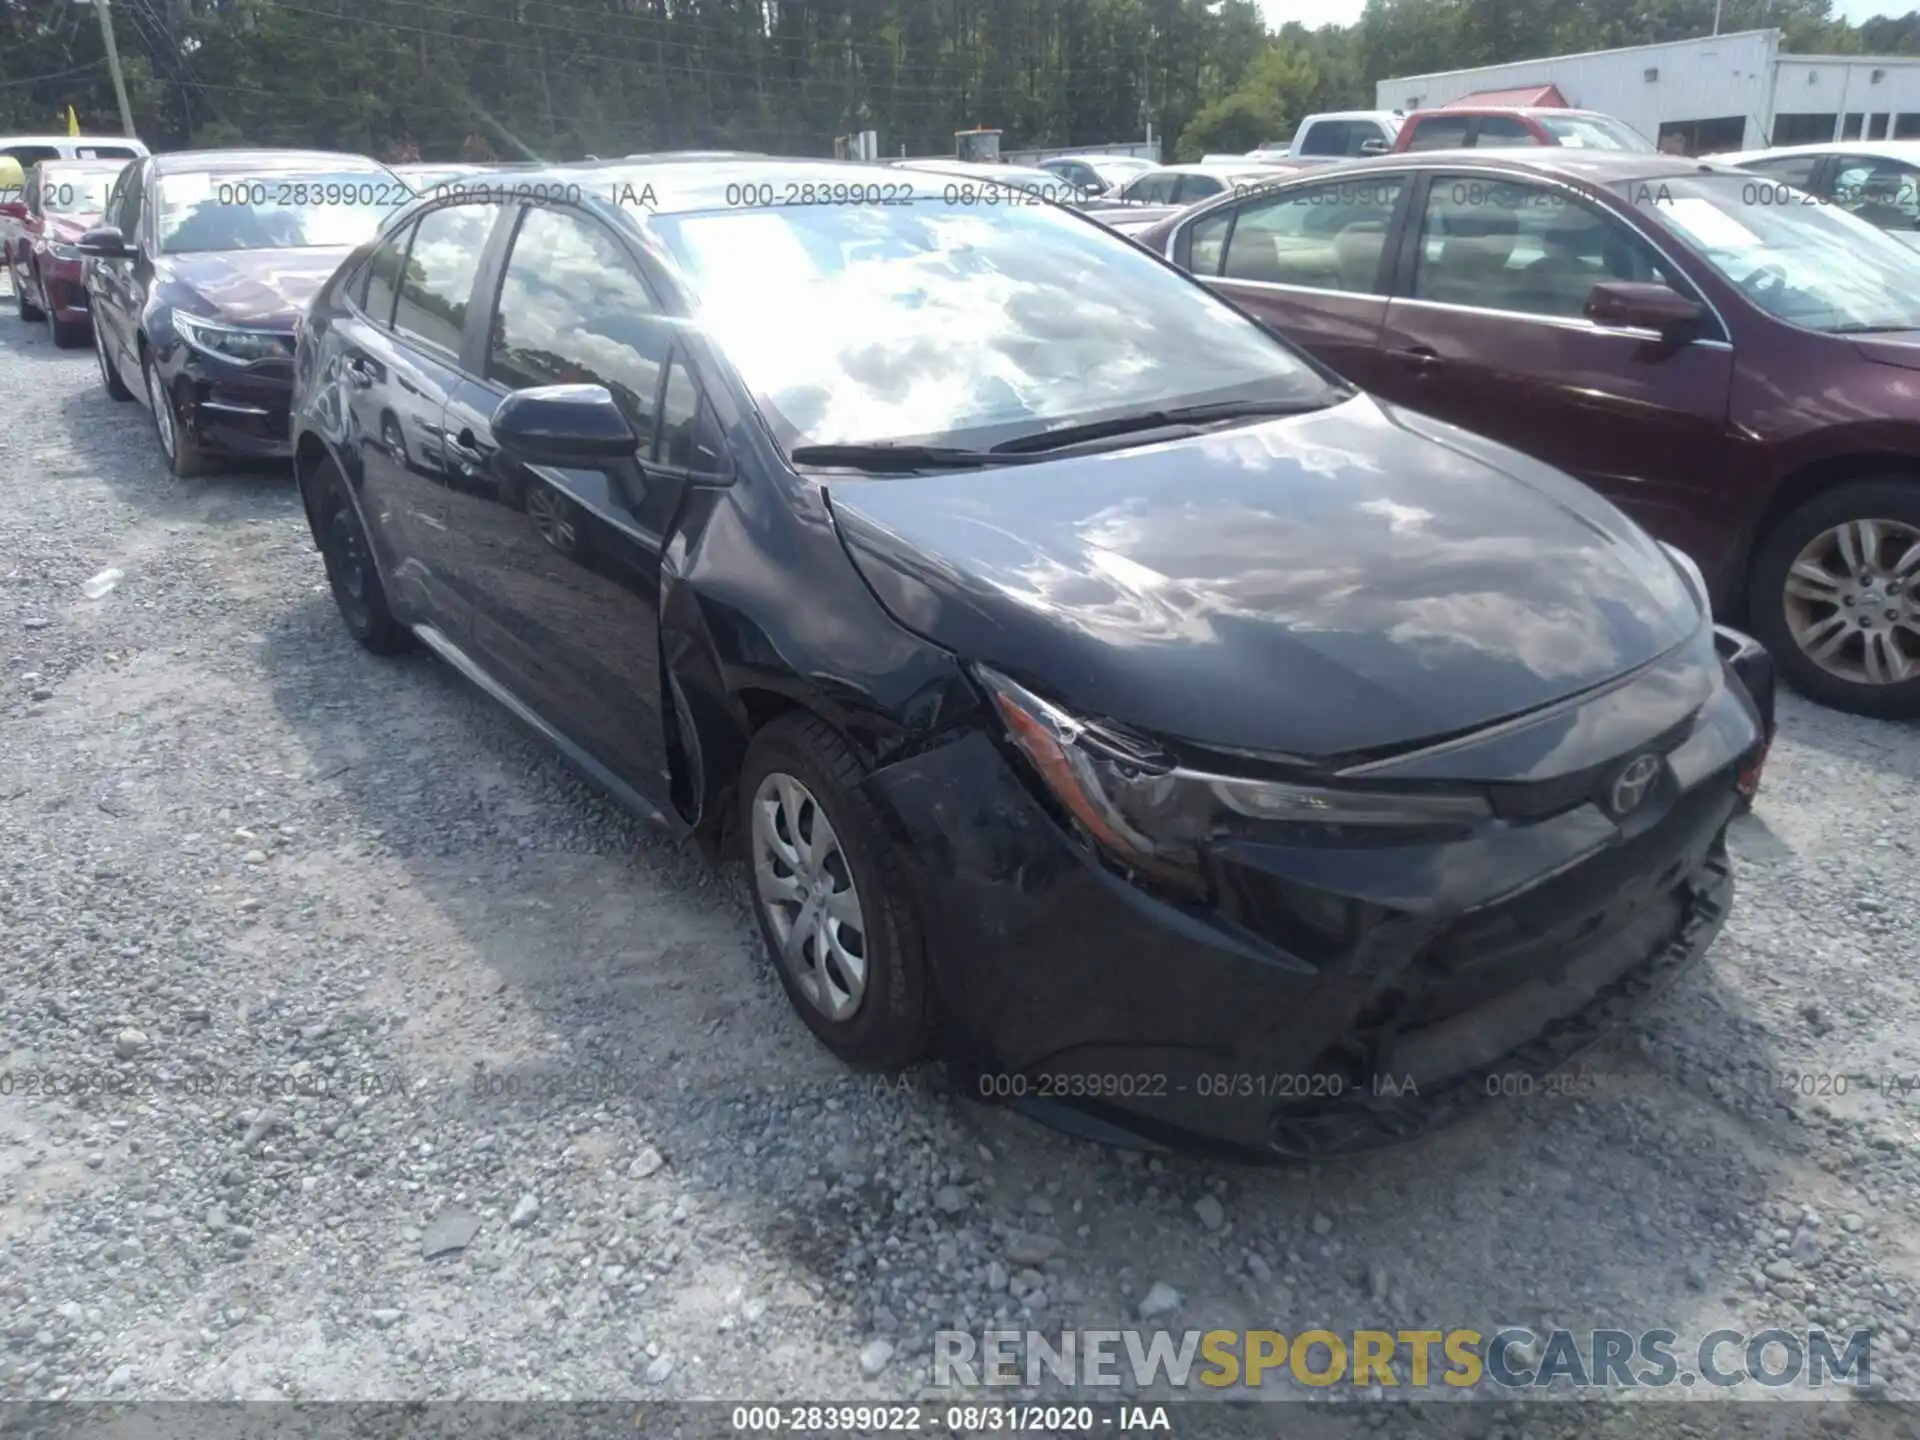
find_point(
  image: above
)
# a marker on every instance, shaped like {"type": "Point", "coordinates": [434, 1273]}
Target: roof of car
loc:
{"type": "Point", "coordinates": [255, 160]}
{"type": "Point", "coordinates": [1592, 167]}
{"type": "Point", "coordinates": [1891, 149]}
{"type": "Point", "coordinates": [1544, 112]}
{"type": "Point", "coordinates": [126, 140]}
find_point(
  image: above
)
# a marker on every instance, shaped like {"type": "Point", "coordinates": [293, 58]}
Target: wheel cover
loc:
{"type": "Point", "coordinates": [806, 889]}
{"type": "Point", "coordinates": [552, 518]}
{"type": "Point", "coordinates": [1852, 601]}
{"type": "Point", "coordinates": [162, 410]}
{"type": "Point", "coordinates": [347, 566]}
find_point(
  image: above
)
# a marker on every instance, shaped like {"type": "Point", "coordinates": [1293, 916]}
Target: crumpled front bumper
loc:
{"type": "Point", "coordinates": [1130, 1016]}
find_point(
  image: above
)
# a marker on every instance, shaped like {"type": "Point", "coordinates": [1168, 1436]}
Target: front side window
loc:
{"type": "Point", "coordinates": [1882, 192]}
{"type": "Point", "coordinates": [132, 202]}
{"type": "Point", "coordinates": [443, 261]}
{"type": "Point", "coordinates": [1594, 132]}
{"type": "Point", "coordinates": [1497, 245]}
{"type": "Point", "coordinates": [1329, 237]}
{"type": "Point", "coordinates": [930, 321]}
{"type": "Point", "coordinates": [1329, 137]}
{"type": "Point", "coordinates": [205, 210]}
{"type": "Point", "coordinates": [1504, 132]}
{"type": "Point", "coordinates": [574, 310]}
{"type": "Point", "coordinates": [1198, 187]}
{"type": "Point", "coordinates": [1814, 266]}
{"type": "Point", "coordinates": [689, 434]}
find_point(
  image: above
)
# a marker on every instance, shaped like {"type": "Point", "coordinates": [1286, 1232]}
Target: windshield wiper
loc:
{"type": "Point", "coordinates": [1173, 418]}
{"type": "Point", "coordinates": [886, 459]}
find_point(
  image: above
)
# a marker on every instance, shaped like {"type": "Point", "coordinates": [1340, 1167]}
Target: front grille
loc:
{"type": "Point", "coordinates": [1541, 800]}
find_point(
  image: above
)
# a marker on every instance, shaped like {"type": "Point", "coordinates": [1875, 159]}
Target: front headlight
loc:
{"type": "Point", "coordinates": [233, 342]}
{"type": "Point", "coordinates": [1146, 810]}
{"type": "Point", "coordinates": [1692, 574]}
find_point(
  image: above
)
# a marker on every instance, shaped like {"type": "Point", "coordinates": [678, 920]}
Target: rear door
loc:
{"type": "Point", "coordinates": [567, 562]}
{"type": "Point", "coordinates": [400, 361]}
{"type": "Point", "coordinates": [1313, 262]}
{"type": "Point", "coordinates": [1488, 329]}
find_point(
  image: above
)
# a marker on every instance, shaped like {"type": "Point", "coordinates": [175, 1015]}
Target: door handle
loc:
{"type": "Point", "coordinates": [1421, 359]}
{"type": "Point", "coordinates": [465, 451]}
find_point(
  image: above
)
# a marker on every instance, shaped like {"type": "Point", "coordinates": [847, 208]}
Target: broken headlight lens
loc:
{"type": "Point", "coordinates": [1144, 809]}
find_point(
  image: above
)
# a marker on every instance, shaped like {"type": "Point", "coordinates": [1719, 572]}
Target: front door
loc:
{"type": "Point", "coordinates": [566, 563]}
{"type": "Point", "coordinates": [1491, 333]}
{"type": "Point", "coordinates": [1312, 262]}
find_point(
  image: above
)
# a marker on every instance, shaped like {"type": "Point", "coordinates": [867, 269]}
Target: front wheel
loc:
{"type": "Point", "coordinates": [837, 920]}
{"type": "Point", "coordinates": [184, 456]}
{"type": "Point", "coordinates": [1835, 595]}
{"type": "Point", "coordinates": [26, 308]}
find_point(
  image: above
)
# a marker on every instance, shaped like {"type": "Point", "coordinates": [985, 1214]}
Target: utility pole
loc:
{"type": "Point", "coordinates": [1716, 15]}
{"type": "Point", "coordinates": [113, 63]}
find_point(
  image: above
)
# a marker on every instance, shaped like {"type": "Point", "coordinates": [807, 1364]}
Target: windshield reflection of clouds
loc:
{"type": "Point", "coordinates": [202, 210]}
{"type": "Point", "coordinates": [874, 323]}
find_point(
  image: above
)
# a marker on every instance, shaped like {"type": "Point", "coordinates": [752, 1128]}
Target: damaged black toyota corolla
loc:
{"type": "Point", "coordinates": [1101, 694]}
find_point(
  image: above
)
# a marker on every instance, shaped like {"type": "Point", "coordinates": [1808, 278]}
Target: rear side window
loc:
{"type": "Point", "coordinates": [1794, 170]}
{"type": "Point", "coordinates": [1154, 188]}
{"type": "Point", "coordinates": [1198, 187]}
{"type": "Point", "coordinates": [442, 264]}
{"type": "Point", "coordinates": [1441, 132]}
{"type": "Point", "coordinates": [104, 152]}
{"type": "Point", "coordinates": [30, 155]}
{"type": "Point", "coordinates": [1328, 237]}
{"type": "Point", "coordinates": [1504, 132]}
{"type": "Point", "coordinates": [379, 284]}
{"type": "Point", "coordinates": [574, 310]}
{"type": "Point", "coordinates": [1881, 191]}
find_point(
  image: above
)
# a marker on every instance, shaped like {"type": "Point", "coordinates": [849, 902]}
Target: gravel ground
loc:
{"type": "Point", "coordinates": [510, 1026]}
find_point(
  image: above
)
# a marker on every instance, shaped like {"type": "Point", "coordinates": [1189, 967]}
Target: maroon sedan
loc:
{"type": "Point", "coordinates": [1741, 374]}
{"type": "Point", "coordinates": [61, 201]}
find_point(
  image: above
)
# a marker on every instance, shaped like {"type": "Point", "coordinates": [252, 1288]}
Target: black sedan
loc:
{"type": "Point", "coordinates": [1101, 693]}
{"type": "Point", "coordinates": [203, 264]}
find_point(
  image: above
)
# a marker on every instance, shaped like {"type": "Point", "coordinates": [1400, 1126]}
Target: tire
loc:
{"type": "Point", "coordinates": [1875, 619]}
{"type": "Point", "coordinates": [71, 334]}
{"type": "Point", "coordinates": [891, 1022]}
{"type": "Point", "coordinates": [109, 372]}
{"type": "Point", "coordinates": [27, 309]}
{"type": "Point", "coordinates": [184, 456]}
{"type": "Point", "coordinates": [352, 575]}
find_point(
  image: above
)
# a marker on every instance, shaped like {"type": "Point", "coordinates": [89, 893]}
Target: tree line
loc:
{"type": "Point", "coordinates": [561, 79]}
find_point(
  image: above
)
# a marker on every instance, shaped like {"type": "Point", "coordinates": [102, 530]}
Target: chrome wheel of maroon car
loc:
{"type": "Point", "coordinates": [1851, 601]}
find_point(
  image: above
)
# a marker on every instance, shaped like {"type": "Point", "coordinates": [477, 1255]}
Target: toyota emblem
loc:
{"type": "Point", "coordinates": [1631, 785]}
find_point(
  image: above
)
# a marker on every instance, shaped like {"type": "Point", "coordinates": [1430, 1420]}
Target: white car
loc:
{"type": "Point", "coordinates": [1042, 183]}
{"type": "Point", "coordinates": [1877, 180]}
{"type": "Point", "coordinates": [1187, 184]}
{"type": "Point", "coordinates": [1097, 174]}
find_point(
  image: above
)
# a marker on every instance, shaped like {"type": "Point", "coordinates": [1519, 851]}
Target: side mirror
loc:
{"type": "Point", "coordinates": [1637, 305]}
{"type": "Point", "coordinates": [1373, 147]}
{"type": "Point", "coordinates": [105, 242]}
{"type": "Point", "coordinates": [565, 426]}
{"type": "Point", "coordinates": [13, 209]}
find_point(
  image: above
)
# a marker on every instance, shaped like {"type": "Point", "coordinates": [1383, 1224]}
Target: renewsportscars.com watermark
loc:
{"type": "Point", "coordinates": [1458, 1359]}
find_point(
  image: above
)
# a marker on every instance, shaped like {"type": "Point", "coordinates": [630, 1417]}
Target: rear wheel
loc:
{"type": "Point", "coordinates": [109, 372]}
{"type": "Point", "coordinates": [835, 916]}
{"type": "Point", "coordinates": [1836, 596]}
{"type": "Point", "coordinates": [352, 575]}
{"type": "Point", "coordinates": [184, 456]}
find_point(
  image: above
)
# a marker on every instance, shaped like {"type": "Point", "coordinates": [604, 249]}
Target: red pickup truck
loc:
{"type": "Point", "coordinates": [60, 201]}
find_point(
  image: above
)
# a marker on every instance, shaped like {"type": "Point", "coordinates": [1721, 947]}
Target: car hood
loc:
{"type": "Point", "coordinates": [1360, 579]}
{"type": "Point", "coordinates": [1900, 348]}
{"type": "Point", "coordinates": [67, 227]}
{"type": "Point", "coordinates": [268, 288]}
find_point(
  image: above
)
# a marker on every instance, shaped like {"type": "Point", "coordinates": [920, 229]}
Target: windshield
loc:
{"type": "Point", "coordinates": [76, 192]}
{"type": "Point", "coordinates": [927, 321]}
{"type": "Point", "coordinates": [1808, 264]}
{"type": "Point", "coordinates": [1594, 132]}
{"type": "Point", "coordinates": [283, 209]}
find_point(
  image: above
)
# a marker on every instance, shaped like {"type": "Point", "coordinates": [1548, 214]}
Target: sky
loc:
{"type": "Point", "coordinates": [1314, 13]}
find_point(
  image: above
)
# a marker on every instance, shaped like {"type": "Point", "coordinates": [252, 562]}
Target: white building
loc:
{"type": "Point", "coordinates": [1730, 92]}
